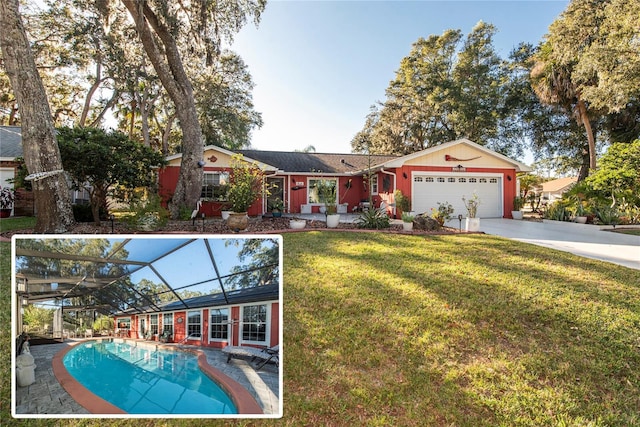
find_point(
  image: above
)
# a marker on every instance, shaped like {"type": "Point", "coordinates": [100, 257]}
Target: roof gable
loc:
{"type": "Point", "coordinates": [460, 151]}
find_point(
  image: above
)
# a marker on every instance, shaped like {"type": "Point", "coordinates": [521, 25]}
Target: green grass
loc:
{"type": "Point", "coordinates": [466, 330]}
{"type": "Point", "coordinates": [17, 223]}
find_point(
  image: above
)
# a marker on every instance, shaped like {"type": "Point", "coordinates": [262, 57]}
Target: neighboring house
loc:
{"type": "Point", "coordinates": [444, 173]}
{"type": "Point", "coordinates": [551, 191]}
{"type": "Point", "coordinates": [248, 316]}
{"type": "Point", "coordinates": [10, 151]}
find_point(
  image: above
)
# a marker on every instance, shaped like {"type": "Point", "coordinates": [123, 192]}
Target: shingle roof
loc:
{"type": "Point", "coordinates": [238, 296]}
{"type": "Point", "coordinates": [10, 142]}
{"type": "Point", "coordinates": [560, 184]}
{"type": "Point", "coordinates": [301, 162]}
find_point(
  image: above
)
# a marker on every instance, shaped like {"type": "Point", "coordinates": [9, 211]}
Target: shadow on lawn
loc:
{"type": "Point", "coordinates": [462, 330]}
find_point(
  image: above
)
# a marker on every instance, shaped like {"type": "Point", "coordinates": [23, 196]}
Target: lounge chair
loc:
{"type": "Point", "coordinates": [266, 355]}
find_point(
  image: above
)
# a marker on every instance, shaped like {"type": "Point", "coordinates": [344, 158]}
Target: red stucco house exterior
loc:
{"type": "Point", "coordinates": [444, 173]}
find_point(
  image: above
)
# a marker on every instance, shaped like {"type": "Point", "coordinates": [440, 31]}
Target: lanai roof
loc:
{"type": "Point", "coordinates": [135, 274]}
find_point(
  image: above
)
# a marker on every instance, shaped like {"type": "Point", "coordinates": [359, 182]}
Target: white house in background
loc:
{"type": "Point", "coordinates": [553, 190]}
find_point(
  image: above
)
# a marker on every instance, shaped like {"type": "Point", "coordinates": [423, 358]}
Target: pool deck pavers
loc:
{"type": "Point", "coordinates": [47, 396]}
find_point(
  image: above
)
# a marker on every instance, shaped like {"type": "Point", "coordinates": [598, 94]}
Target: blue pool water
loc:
{"type": "Point", "coordinates": [142, 380]}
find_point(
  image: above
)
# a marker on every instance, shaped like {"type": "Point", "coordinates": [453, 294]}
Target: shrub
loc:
{"type": "Point", "coordinates": [443, 213]}
{"type": "Point", "coordinates": [147, 214]}
{"type": "Point", "coordinates": [402, 202]}
{"type": "Point", "coordinates": [373, 219]}
{"type": "Point", "coordinates": [557, 211]}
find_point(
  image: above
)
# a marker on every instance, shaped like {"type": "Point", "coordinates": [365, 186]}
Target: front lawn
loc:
{"type": "Point", "coordinates": [464, 330]}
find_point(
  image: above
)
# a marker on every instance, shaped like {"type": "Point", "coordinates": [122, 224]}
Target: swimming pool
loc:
{"type": "Point", "coordinates": [146, 380]}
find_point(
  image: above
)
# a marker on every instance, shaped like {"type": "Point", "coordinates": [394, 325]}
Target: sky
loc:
{"type": "Point", "coordinates": [319, 66]}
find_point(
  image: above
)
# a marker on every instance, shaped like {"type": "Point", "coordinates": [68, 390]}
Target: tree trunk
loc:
{"type": "Point", "coordinates": [584, 118]}
{"type": "Point", "coordinates": [41, 153]}
{"type": "Point", "coordinates": [168, 65]}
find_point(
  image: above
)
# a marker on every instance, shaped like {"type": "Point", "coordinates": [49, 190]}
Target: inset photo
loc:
{"type": "Point", "coordinates": [160, 326]}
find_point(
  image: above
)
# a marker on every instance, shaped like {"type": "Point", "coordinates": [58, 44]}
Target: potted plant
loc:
{"type": "Point", "coordinates": [297, 223]}
{"type": "Point", "coordinates": [7, 197]}
{"type": "Point", "coordinates": [581, 214]}
{"type": "Point", "coordinates": [327, 195]}
{"type": "Point", "coordinates": [277, 207]}
{"type": "Point", "coordinates": [402, 202]}
{"type": "Point", "coordinates": [245, 186]}
{"type": "Point", "coordinates": [407, 221]}
{"type": "Point", "coordinates": [516, 213]}
{"type": "Point", "coordinates": [472, 222]}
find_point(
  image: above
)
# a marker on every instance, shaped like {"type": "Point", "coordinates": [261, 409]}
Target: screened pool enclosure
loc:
{"type": "Point", "coordinates": [83, 279]}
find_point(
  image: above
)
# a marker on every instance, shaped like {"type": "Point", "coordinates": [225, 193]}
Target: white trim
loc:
{"type": "Point", "coordinates": [186, 322]}
{"type": "Point", "coordinates": [267, 337]}
{"type": "Point", "coordinates": [229, 325]}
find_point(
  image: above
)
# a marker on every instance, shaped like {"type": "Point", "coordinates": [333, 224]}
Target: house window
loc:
{"type": "Point", "coordinates": [254, 323]}
{"type": "Point", "coordinates": [373, 182]}
{"type": "Point", "coordinates": [194, 323]}
{"type": "Point", "coordinates": [314, 195]}
{"type": "Point", "coordinates": [429, 179]}
{"type": "Point", "coordinates": [451, 179]}
{"type": "Point", "coordinates": [462, 179]}
{"type": "Point", "coordinates": [473, 180]}
{"type": "Point", "coordinates": [220, 324]}
{"type": "Point", "coordinates": [417, 179]}
{"type": "Point", "coordinates": [154, 324]}
{"type": "Point", "coordinates": [493, 180]}
{"type": "Point", "coordinates": [440, 179]}
{"type": "Point", "coordinates": [167, 323]}
{"type": "Point", "coordinates": [124, 323]}
{"type": "Point", "coordinates": [483, 180]}
{"type": "Point", "coordinates": [214, 186]}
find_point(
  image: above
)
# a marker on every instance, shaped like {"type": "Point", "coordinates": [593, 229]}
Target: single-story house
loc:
{"type": "Point", "coordinates": [553, 190]}
{"type": "Point", "coordinates": [444, 173]}
{"type": "Point", "coordinates": [248, 316]}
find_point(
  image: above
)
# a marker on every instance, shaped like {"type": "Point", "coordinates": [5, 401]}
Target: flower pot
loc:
{"type": "Point", "coordinates": [297, 224]}
{"type": "Point", "coordinates": [5, 213]}
{"type": "Point", "coordinates": [581, 219]}
{"type": "Point", "coordinates": [333, 220]}
{"type": "Point", "coordinates": [225, 215]}
{"type": "Point", "coordinates": [238, 221]}
{"type": "Point", "coordinates": [517, 214]}
{"type": "Point", "coordinates": [472, 224]}
{"type": "Point", "coordinates": [407, 226]}
{"type": "Point", "coordinates": [276, 214]}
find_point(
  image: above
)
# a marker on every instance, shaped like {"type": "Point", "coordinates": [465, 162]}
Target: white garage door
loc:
{"type": "Point", "coordinates": [431, 189]}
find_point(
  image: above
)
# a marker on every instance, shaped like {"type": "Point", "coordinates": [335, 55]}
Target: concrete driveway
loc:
{"type": "Point", "coordinates": [586, 241]}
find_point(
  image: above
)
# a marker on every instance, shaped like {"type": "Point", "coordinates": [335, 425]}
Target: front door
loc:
{"type": "Point", "coordinates": [142, 329]}
{"type": "Point", "coordinates": [275, 187]}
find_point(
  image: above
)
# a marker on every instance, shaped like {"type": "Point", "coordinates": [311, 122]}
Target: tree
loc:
{"type": "Point", "coordinates": [158, 25]}
{"type": "Point", "coordinates": [98, 161]}
{"type": "Point", "coordinates": [619, 173]}
{"type": "Point", "coordinates": [260, 258]}
{"type": "Point", "coordinates": [439, 94]}
{"type": "Point", "coordinates": [41, 153]}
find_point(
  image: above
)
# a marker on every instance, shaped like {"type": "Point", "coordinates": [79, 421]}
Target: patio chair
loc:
{"type": "Point", "coordinates": [266, 355]}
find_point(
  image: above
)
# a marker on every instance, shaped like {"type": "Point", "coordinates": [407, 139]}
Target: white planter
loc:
{"type": "Point", "coordinates": [472, 224]}
{"type": "Point", "coordinates": [517, 214]}
{"type": "Point", "coordinates": [333, 220]}
{"type": "Point", "coordinates": [225, 215]}
{"type": "Point", "coordinates": [407, 226]}
{"type": "Point", "coordinates": [305, 209]}
{"type": "Point", "coordinates": [581, 219]}
{"type": "Point", "coordinates": [297, 224]}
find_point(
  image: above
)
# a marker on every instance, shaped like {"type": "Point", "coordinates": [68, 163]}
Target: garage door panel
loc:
{"type": "Point", "coordinates": [428, 190]}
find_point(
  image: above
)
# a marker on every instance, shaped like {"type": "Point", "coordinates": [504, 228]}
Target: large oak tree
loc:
{"type": "Point", "coordinates": [41, 153]}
